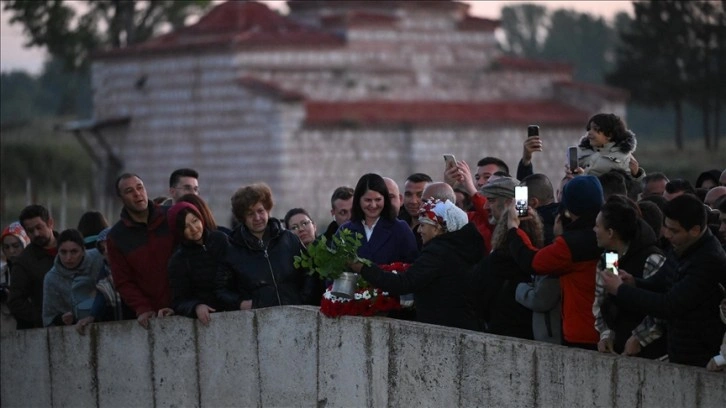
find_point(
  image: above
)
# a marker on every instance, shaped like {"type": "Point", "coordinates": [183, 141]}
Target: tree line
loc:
{"type": "Point", "coordinates": [670, 54]}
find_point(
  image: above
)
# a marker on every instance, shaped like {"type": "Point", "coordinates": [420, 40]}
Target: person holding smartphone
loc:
{"type": "Point", "coordinates": [619, 227]}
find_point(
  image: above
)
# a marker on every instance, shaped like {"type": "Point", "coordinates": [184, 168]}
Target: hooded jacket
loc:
{"type": "Point", "coordinates": [139, 255]}
{"type": "Point", "coordinates": [57, 285]}
{"type": "Point", "coordinates": [599, 160]}
{"type": "Point", "coordinates": [689, 300]}
{"type": "Point", "coordinates": [261, 270]}
{"type": "Point", "coordinates": [440, 278]}
{"type": "Point", "coordinates": [193, 270]}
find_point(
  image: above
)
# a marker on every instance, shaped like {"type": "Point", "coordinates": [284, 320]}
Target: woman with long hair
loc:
{"type": "Point", "coordinates": [385, 238]}
{"type": "Point", "coordinates": [193, 267]}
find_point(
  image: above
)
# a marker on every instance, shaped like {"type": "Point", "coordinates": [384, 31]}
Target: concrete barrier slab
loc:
{"type": "Point", "coordinates": [287, 350]}
{"type": "Point", "coordinates": [353, 361]}
{"type": "Point", "coordinates": [498, 371]}
{"type": "Point", "coordinates": [124, 365]}
{"type": "Point", "coordinates": [424, 365]}
{"type": "Point", "coordinates": [174, 361]}
{"type": "Point", "coordinates": [228, 369]}
{"type": "Point", "coordinates": [24, 369]}
{"type": "Point", "coordinates": [73, 367]}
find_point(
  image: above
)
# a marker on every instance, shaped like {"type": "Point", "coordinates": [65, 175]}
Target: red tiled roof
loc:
{"type": "Point", "coordinates": [470, 23]}
{"type": "Point", "coordinates": [235, 24]}
{"type": "Point", "coordinates": [533, 65]}
{"type": "Point", "coordinates": [607, 92]}
{"type": "Point", "coordinates": [272, 88]}
{"type": "Point", "coordinates": [359, 19]}
{"type": "Point", "coordinates": [442, 113]}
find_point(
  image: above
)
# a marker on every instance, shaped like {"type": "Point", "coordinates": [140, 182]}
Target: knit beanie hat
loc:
{"type": "Point", "coordinates": [173, 214]}
{"type": "Point", "coordinates": [443, 213]}
{"type": "Point", "coordinates": [16, 230]}
{"type": "Point", "coordinates": [582, 195]}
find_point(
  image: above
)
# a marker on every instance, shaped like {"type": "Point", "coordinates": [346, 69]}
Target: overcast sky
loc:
{"type": "Point", "coordinates": [13, 56]}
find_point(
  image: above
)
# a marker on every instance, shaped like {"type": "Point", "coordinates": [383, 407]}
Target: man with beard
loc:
{"type": "Point", "coordinates": [28, 273]}
{"type": "Point", "coordinates": [139, 247]}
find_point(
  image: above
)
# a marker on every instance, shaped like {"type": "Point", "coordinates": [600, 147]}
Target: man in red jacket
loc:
{"type": "Point", "coordinates": [139, 248]}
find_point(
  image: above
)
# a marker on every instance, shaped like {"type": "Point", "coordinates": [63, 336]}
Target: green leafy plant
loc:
{"type": "Point", "coordinates": [329, 262]}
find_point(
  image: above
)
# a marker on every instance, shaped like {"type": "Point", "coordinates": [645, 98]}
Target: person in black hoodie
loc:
{"type": "Point", "coordinates": [193, 266]}
{"type": "Point", "coordinates": [620, 228]}
{"type": "Point", "coordinates": [258, 269]}
{"type": "Point", "coordinates": [440, 277]}
{"type": "Point", "coordinates": [688, 295]}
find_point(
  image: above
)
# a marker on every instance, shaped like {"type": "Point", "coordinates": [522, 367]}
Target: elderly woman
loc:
{"type": "Point", "coordinates": [440, 278]}
{"type": "Point", "coordinates": [258, 269]}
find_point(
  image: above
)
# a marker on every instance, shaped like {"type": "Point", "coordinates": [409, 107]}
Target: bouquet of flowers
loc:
{"type": "Point", "coordinates": [367, 301]}
{"type": "Point", "coordinates": [329, 262]}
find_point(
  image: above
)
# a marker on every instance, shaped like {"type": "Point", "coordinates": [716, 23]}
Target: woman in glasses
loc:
{"type": "Point", "coordinates": [298, 220]}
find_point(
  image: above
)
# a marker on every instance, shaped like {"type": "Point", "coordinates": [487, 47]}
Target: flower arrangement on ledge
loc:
{"type": "Point", "coordinates": [330, 262]}
{"type": "Point", "coordinates": [367, 300]}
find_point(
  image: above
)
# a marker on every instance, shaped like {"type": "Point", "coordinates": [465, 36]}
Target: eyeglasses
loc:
{"type": "Point", "coordinates": [303, 224]}
{"type": "Point", "coordinates": [15, 245]}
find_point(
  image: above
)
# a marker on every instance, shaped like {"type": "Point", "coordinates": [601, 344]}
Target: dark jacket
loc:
{"type": "Point", "coordinates": [391, 241]}
{"type": "Point", "coordinates": [262, 270]}
{"type": "Point", "coordinates": [497, 277]}
{"type": "Point", "coordinates": [623, 322]}
{"type": "Point", "coordinates": [139, 255]}
{"type": "Point", "coordinates": [688, 298]}
{"type": "Point", "coordinates": [439, 279]}
{"type": "Point", "coordinates": [26, 285]}
{"type": "Point", "coordinates": [192, 273]}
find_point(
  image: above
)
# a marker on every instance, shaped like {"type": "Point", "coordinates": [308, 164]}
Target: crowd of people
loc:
{"type": "Point", "coordinates": [478, 260]}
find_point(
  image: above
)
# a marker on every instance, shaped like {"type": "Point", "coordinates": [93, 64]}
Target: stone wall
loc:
{"type": "Point", "coordinates": [294, 356]}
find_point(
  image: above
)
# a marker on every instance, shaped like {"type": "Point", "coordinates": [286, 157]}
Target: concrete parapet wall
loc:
{"type": "Point", "coordinates": [294, 356]}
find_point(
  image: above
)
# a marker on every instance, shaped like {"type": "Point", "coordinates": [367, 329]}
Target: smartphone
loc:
{"type": "Point", "coordinates": [611, 262]}
{"type": "Point", "coordinates": [520, 200]}
{"type": "Point", "coordinates": [572, 157]}
{"type": "Point", "coordinates": [450, 160]}
{"type": "Point", "coordinates": [532, 130]}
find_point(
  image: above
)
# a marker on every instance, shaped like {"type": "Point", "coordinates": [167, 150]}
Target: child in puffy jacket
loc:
{"type": "Point", "coordinates": [608, 145]}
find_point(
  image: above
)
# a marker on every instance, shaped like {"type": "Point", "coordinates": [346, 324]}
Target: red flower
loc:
{"type": "Point", "coordinates": [370, 300]}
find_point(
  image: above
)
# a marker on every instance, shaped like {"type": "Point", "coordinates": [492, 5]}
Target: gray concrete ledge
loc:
{"type": "Point", "coordinates": [294, 356]}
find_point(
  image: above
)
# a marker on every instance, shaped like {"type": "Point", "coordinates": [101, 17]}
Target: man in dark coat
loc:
{"type": "Point", "coordinates": [26, 280]}
{"type": "Point", "coordinates": [686, 295]}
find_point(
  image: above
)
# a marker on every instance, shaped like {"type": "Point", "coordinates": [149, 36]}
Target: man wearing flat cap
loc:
{"type": "Point", "coordinates": [499, 194]}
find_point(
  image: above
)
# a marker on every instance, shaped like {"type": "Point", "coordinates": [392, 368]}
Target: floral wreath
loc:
{"type": "Point", "coordinates": [367, 300]}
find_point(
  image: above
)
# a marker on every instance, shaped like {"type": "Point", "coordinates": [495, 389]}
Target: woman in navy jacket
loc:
{"type": "Point", "coordinates": [385, 238]}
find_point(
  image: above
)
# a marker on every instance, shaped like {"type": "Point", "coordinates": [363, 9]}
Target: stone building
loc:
{"type": "Point", "coordinates": [314, 99]}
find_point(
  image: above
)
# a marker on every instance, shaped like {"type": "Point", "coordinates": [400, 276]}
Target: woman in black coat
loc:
{"type": "Point", "coordinates": [440, 278]}
{"type": "Point", "coordinates": [193, 266]}
{"type": "Point", "coordinates": [258, 270]}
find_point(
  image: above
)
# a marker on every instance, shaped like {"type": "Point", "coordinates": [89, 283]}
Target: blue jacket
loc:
{"type": "Point", "coordinates": [391, 241]}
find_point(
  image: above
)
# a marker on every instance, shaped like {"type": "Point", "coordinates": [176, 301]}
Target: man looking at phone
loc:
{"type": "Point", "coordinates": [686, 295]}
{"type": "Point", "coordinates": [542, 199]}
